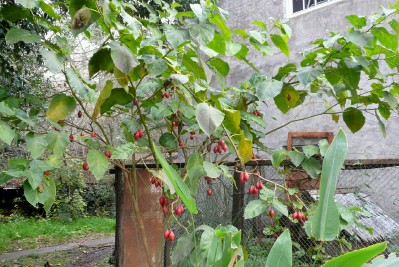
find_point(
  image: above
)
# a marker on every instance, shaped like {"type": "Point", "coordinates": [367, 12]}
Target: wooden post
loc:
{"type": "Point", "coordinates": [238, 203]}
{"type": "Point", "coordinates": [119, 196]}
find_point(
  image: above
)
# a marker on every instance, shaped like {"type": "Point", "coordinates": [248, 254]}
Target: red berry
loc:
{"type": "Point", "coordinates": [179, 112]}
{"type": "Point", "coordinates": [191, 137]}
{"type": "Point", "coordinates": [165, 210]}
{"type": "Point", "coordinates": [271, 213]}
{"type": "Point", "coordinates": [251, 190]}
{"type": "Point", "coordinates": [71, 137]}
{"type": "Point", "coordinates": [162, 200]}
{"type": "Point", "coordinates": [246, 176]}
{"type": "Point", "coordinates": [215, 149]}
{"type": "Point", "coordinates": [56, 129]}
{"type": "Point", "coordinates": [220, 150]}
{"type": "Point", "coordinates": [179, 210]}
{"type": "Point", "coordinates": [253, 156]}
{"type": "Point", "coordinates": [221, 142]}
{"type": "Point", "coordinates": [108, 154]}
{"type": "Point", "coordinates": [93, 134]}
{"type": "Point", "coordinates": [181, 143]}
{"type": "Point", "coordinates": [82, 133]}
{"type": "Point", "coordinates": [289, 184]}
{"type": "Point", "coordinates": [46, 173]}
{"type": "Point", "coordinates": [136, 102]}
{"type": "Point", "coordinates": [224, 147]}
{"type": "Point", "coordinates": [242, 179]}
{"type": "Point", "coordinates": [153, 180]}
{"type": "Point", "coordinates": [175, 123]}
{"type": "Point", "coordinates": [259, 185]}
{"type": "Point", "coordinates": [209, 192]}
{"type": "Point", "coordinates": [156, 183]}
{"type": "Point", "coordinates": [171, 236]}
{"type": "Point", "coordinates": [166, 234]}
{"type": "Point", "coordinates": [256, 191]}
{"type": "Point", "coordinates": [85, 166]}
{"type": "Point", "coordinates": [136, 136]}
{"type": "Point", "coordinates": [80, 114]}
{"type": "Point", "coordinates": [295, 215]}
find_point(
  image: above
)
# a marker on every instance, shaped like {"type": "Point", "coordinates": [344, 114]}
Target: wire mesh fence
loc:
{"type": "Point", "coordinates": [367, 199]}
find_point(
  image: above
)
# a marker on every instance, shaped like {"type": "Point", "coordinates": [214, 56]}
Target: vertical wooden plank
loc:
{"type": "Point", "coordinates": [238, 203]}
{"type": "Point", "coordinates": [119, 196]}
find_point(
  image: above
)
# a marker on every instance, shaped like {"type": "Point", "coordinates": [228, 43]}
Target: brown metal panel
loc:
{"type": "Point", "coordinates": [291, 135]}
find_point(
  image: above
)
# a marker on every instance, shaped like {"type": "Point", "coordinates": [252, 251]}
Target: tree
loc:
{"type": "Point", "coordinates": [164, 88]}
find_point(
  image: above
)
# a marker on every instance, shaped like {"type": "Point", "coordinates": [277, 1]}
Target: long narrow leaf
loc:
{"type": "Point", "coordinates": [358, 257]}
{"type": "Point", "coordinates": [181, 188]}
{"type": "Point", "coordinates": [325, 222]}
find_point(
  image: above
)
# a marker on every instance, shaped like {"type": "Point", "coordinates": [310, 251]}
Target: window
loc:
{"type": "Point", "coordinates": [298, 6]}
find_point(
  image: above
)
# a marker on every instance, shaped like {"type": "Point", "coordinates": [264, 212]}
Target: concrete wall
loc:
{"type": "Point", "coordinates": [368, 142]}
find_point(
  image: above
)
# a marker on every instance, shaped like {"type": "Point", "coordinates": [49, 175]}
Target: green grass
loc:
{"type": "Point", "coordinates": [27, 233]}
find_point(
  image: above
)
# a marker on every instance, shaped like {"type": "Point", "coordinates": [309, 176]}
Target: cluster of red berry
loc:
{"type": "Point", "coordinates": [192, 135]}
{"type": "Point", "coordinates": [165, 95]}
{"type": "Point", "coordinates": [297, 215]}
{"type": "Point", "coordinates": [244, 177]}
{"type": "Point", "coordinates": [179, 210]}
{"type": "Point", "coordinates": [155, 181]}
{"type": "Point", "coordinates": [164, 201]}
{"type": "Point", "coordinates": [254, 189]}
{"type": "Point", "coordinates": [257, 113]}
{"type": "Point", "coordinates": [169, 234]}
{"type": "Point", "coordinates": [220, 147]}
{"type": "Point", "coordinates": [138, 134]}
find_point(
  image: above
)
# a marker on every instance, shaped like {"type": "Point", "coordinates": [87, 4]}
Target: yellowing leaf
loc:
{"type": "Point", "coordinates": [105, 93]}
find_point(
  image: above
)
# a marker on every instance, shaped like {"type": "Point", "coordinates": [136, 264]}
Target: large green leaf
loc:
{"type": "Point", "coordinates": [36, 145]}
{"type": "Point", "coordinates": [57, 142]}
{"type": "Point", "coordinates": [7, 133]}
{"type": "Point", "coordinates": [195, 171]}
{"type": "Point", "coordinates": [46, 196]}
{"type": "Point", "coordinates": [203, 33]}
{"type": "Point", "coordinates": [325, 222]}
{"type": "Point", "coordinates": [287, 99]}
{"type": "Point", "coordinates": [13, 13]}
{"type": "Point", "coordinates": [98, 163]}
{"type": "Point", "coordinates": [254, 208]}
{"type": "Point", "coordinates": [354, 119]}
{"type": "Point", "coordinates": [53, 60]}
{"type": "Point", "coordinates": [357, 258]}
{"type": "Point", "coordinates": [61, 106]}
{"type": "Point", "coordinates": [177, 37]}
{"type": "Point", "coordinates": [281, 253]}
{"type": "Point", "coordinates": [220, 65]}
{"type": "Point", "coordinates": [123, 58]}
{"type": "Point", "coordinates": [16, 35]}
{"type": "Point", "coordinates": [208, 118]}
{"type": "Point", "coordinates": [183, 248]}
{"type": "Point", "coordinates": [28, 3]}
{"type": "Point", "coordinates": [181, 188]}
{"type": "Point", "coordinates": [168, 141]}
{"type": "Point", "coordinates": [307, 75]}
{"type": "Point", "coordinates": [381, 261]}
{"type": "Point", "coordinates": [268, 89]}
{"type": "Point", "coordinates": [280, 43]}
{"type": "Point", "coordinates": [105, 93]}
{"type": "Point", "coordinates": [118, 97]}
{"type": "Point", "coordinates": [296, 157]}
{"type": "Point", "coordinates": [101, 61]}
{"type": "Point", "coordinates": [387, 39]}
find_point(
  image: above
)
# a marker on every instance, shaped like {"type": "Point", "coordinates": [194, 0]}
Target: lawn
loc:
{"type": "Point", "coordinates": [29, 233]}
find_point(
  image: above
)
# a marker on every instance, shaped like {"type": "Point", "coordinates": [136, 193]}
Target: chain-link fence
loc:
{"type": "Point", "coordinates": [367, 199]}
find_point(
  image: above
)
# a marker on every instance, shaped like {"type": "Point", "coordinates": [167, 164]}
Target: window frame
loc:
{"type": "Point", "coordinates": [290, 7]}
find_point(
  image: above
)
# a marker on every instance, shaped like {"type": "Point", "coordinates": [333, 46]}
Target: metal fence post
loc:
{"type": "Point", "coordinates": [238, 202]}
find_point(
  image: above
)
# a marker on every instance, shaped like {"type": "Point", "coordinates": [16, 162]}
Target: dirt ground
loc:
{"type": "Point", "coordinates": [82, 257]}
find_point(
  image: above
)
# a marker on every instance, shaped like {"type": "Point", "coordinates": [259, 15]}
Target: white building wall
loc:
{"type": "Point", "coordinates": [308, 26]}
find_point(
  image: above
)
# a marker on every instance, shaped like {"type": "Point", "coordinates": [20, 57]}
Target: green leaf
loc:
{"type": "Point", "coordinates": [385, 38]}
{"type": "Point", "coordinates": [57, 142]}
{"type": "Point", "coordinates": [232, 120]}
{"type": "Point", "coordinates": [325, 222]}
{"type": "Point", "coordinates": [81, 88]}
{"type": "Point", "coordinates": [177, 37]}
{"type": "Point", "coordinates": [195, 171]}
{"type": "Point", "coordinates": [219, 22]}
{"type": "Point", "coordinates": [323, 146]}
{"type": "Point", "coordinates": [46, 197]}
{"type": "Point", "coordinates": [268, 89]}
{"type": "Point", "coordinates": [124, 151]}
{"type": "Point", "coordinates": [13, 13]}
{"type": "Point", "coordinates": [307, 75]}
{"type": "Point", "coordinates": [245, 149]}
{"type": "Point", "coordinates": [48, 9]}
{"type": "Point", "coordinates": [280, 43]}
{"type": "Point", "coordinates": [354, 119]}
{"type": "Point", "coordinates": [381, 261]}
{"type": "Point", "coordinates": [98, 163]}
{"type": "Point", "coordinates": [53, 60]}
{"type": "Point", "coordinates": [296, 157]}
{"type": "Point", "coordinates": [122, 57]}
{"type": "Point", "coordinates": [101, 61]}
{"type": "Point", "coordinates": [254, 208]}
{"type": "Point", "coordinates": [203, 33]}
{"type": "Point", "coordinates": [118, 97]}
{"type": "Point", "coordinates": [7, 133]}
{"type": "Point", "coordinates": [157, 67]}
{"type": "Point", "coordinates": [280, 207]}
{"type": "Point", "coordinates": [211, 169]}
{"type": "Point", "coordinates": [4, 177]}
{"type": "Point", "coordinates": [357, 21]}
{"type": "Point", "coordinates": [391, 100]}
{"type": "Point", "coordinates": [249, 117]}
{"type": "Point", "coordinates": [281, 253]}
{"type": "Point", "coordinates": [105, 93]}
{"type": "Point", "coordinates": [310, 150]}
{"type": "Point", "coordinates": [208, 118]}
{"type": "Point", "coordinates": [184, 247]}
{"type": "Point", "coordinates": [36, 145]}
{"type": "Point", "coordinates": [193, 67]}
{"type": "Point", "coordinates": [168, 141]}
{"type": "Point", "coordinates": [278, 156]}
{"type": "Point", "coordinates": [16, 35]}
{"type": "Point", "coordinates": [28, 3]}
{"type": "Point", "coordinates": [200, 13]}
{"type": "Point", "coordinates": [381, 125]}
{"type": "Point", "coordinates": [287, 99]}
{"type": "Point", "coordinates": [60, 107]}
{"type": "Point", "coordinates": [357, 258]}
{"type": "Point", "coordinates": [181, 188]}
{"type": "Point", "coordinates": [220, 66]}
{"type": "Point", "coordinates": [312, 167]}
